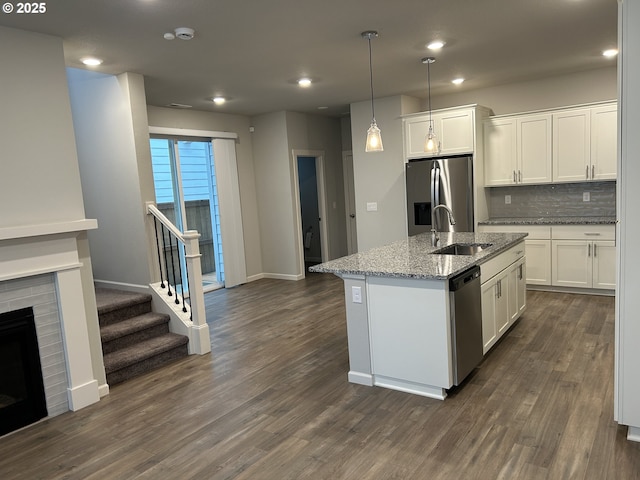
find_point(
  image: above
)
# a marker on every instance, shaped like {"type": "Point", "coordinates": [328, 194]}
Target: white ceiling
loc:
{"type": "Point", "coordinates": [254, 50]}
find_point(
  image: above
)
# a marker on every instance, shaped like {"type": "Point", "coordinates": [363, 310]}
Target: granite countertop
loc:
{"type": "Point", "coordinates": [414, 257]}
{"type": "Point", "coordinates": [550, 221]}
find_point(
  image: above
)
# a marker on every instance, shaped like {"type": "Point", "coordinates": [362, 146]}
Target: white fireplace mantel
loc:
{"type": "Point", "coordinates": [53, 248]}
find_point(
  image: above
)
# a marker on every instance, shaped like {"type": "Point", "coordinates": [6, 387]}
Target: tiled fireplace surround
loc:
{"type": "Point", "coordinates": [40, 268]}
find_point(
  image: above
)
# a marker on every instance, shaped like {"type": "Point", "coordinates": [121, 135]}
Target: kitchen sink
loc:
{"type": "Point", "coordinates": [462, 249]}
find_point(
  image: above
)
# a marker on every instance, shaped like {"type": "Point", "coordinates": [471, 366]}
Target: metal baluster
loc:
{"type": "Point", "coordinates": [166, 263]}
{"type": "Point", "coordinates": [155, 224]}
{"type": "Point", "coordinates": [173, 267]}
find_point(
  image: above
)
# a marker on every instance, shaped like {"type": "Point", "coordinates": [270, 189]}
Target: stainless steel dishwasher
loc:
{"type": "Point", "coordinates": [466, 322]}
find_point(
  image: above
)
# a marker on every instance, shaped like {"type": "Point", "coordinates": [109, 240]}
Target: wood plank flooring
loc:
{"type": "Point", "coordinates": [272, 401]}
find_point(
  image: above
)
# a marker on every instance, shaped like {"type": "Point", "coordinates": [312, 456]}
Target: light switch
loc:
{"type": "Point", "coordinates": [372, 206]}
{"type": "Point", "coordinates": [586, 196]}
{"type": "Point", "coordinates": [356, 294]}
{"type": "Point", "coordinates": [507, 199]}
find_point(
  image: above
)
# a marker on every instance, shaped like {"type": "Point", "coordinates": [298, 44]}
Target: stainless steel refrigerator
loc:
{"type": "Point", "coordinates": [436, 181]}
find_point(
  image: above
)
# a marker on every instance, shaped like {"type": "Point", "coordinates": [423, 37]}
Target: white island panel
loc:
{"type": "Point", "coordinates": [410, 335]}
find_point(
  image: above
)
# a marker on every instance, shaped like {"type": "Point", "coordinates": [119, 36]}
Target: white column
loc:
{"type": "Point", "coordinates": [199, 341]}
{"type": "Point", "coordinates": [83, 388]}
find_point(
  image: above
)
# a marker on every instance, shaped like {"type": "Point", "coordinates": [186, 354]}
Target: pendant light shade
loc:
{"type": "Point", "coordinates": [431, 142]}
{"type": "Point", "coordinates": [374, 137]}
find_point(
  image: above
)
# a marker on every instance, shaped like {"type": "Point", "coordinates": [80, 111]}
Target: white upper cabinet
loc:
{"type": "Point", "coordinates": [563, 145]}
{"type": "Point", "coordinates": [500, 151]}
{"type": "Point", "coordinates": [455, 129]}
{"type": "Point", "coordinates": [585, 144]}
{"type": "Point", "coordinates": [604, 142]}
{"type": "Point", "coordinates": [517, 150]}
{"type": "Point", "coordinates": [572, 145]}
{"type": "Point", "coordinates": [533, 139]}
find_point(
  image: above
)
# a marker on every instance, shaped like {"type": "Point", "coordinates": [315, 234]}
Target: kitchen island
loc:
{"type": "Point", "coordinates": [399, 310]}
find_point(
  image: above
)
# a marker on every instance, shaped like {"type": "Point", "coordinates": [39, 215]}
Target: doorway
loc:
{"type": "Point", "coordinates": [312, 228]}
{"type": "Point", "coordinates": [350, 202]}
{"type": "Point", "coordinates": [185, 184]}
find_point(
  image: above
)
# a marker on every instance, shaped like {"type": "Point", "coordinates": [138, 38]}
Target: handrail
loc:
{"type": "Point", "coordinates": [199, 332]}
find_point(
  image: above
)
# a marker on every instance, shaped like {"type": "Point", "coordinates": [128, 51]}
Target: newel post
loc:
{"type": "Point", "coordinates": [199, 338]}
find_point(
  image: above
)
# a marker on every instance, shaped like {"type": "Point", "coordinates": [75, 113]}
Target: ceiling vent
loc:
{"type": "Point", "coordinates": [178, 105]}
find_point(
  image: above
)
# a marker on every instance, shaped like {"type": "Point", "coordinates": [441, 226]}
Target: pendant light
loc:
{"type": "Point", "coordinates": [431, 142]}
{"type": "Point", "coordinates": [374, 137]}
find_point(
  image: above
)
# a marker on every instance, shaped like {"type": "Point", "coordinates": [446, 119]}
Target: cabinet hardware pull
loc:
{"type": "Point", "coordinates": [594, 251]}
{"type": "Point", "coordinates": [515, 180]}
{"type": "Point", "coordinates": [589, 250]}
{"type": "Point", "coordinates": [592, 234]}
{"type": "Point", "coordinates": [520, 271]}
{"type": "Point", "coordinates": [519, 176]}
{"type": "Point", "coordinates": [587, 173]}
{"type": "Point", "coordinates": [593, 171]}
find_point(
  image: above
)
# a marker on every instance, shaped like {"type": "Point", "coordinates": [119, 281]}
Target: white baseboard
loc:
{"type": "Point", "coordinates": [633, 434]}
{"type": "Point", "coordinates": [84, 395]}
{"type": "Point", "coordinates": [129, 287]}
{"type": "Point", "coordinates": [253, 278]}
{"type": "Point", "coordinates": [103, 390]}
{"type": "Point", "coordinates": [283, 276]}
{"type": "Point", "coordinates": [361, 378]}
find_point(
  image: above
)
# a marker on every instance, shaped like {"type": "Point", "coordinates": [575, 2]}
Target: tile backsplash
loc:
{"type": "Point", "coordinates": [558, 200]}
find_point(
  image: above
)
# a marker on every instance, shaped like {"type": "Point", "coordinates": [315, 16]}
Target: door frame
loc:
{"type": "Point", "coordinates": [322, 206]}
{"type": "Point", "coordinates": [349, 191]}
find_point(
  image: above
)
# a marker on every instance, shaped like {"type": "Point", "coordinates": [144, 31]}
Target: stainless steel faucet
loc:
{"type": "Point", "coordinates": [434, 231]}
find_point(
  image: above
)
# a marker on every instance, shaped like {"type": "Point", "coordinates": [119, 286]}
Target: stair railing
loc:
{"type": "Point", "coordinates": [190, 302]}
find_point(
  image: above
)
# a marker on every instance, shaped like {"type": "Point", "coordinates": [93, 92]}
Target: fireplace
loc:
{"type": "Point", "coordinates": [22, 397]}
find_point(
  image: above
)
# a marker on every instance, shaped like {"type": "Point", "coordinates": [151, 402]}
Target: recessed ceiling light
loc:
{"type": "Point", "coordinates": [612, 52]}
{"type": "Point", "coordinates": [304, 82]}
{"type": "Point", "coordinates": [323, 108]}
{"type": "Point", "coordinates": [91, 61]}
{"type": "Point", "coordinates": [219, 100]}
{"type": "Point", "coordinates": [436, 45]}
{"type": "Point", "coordinates": [457, 81]}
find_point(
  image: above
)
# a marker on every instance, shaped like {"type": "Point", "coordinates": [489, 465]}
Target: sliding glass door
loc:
{"type": "Point", "coordinates": [186, 192]}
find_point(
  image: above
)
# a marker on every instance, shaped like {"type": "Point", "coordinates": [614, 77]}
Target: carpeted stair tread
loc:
{"type": "Point", "coordinates": [143, 351]}
{"type": "Point", "coordinates": [108, 299]}
{"type": "Point", "coordinates": [132, 325]}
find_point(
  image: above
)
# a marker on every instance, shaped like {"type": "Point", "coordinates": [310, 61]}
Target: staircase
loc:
{"type": "Point", "coordinates": [135, 340]}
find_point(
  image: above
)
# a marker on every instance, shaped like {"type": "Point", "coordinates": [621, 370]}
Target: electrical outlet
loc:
{"type": "Point", "coordinates": [372, 206]}
{"type": "Point", "coordinates": [507, 199]}
{"type": "Point", "coordinates": [586, 196]}
{"type": "Point", "coordinates": [356, 294]}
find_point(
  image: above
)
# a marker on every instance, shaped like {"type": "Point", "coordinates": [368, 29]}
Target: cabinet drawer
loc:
{"type": "Point", "coordinates": [495, 265]}
{"type": "Point", "coordinates": [583, 232]}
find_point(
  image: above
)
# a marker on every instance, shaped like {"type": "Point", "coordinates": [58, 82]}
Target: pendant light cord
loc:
{"type": "Point", "coordinates": [373, 115]}
{"type": "Point", "coordinates": [429, 90]}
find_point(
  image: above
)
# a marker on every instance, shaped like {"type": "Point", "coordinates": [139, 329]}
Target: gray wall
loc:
{"type": "Point", "coordinates": [40, 178]}
{"type": "Point", "coordinates": [628, 320]}
{"type": "Point", "coordinates": [198, 120]}
{"type": "Point", "coordinates": [315, 132]}
{"type": "Point", "coordinates": [40, 181]}
{"type": "Point", "coordinates": [379, 176]}
{"type": "Point", "coordinates": [110, 176]}
{"type": "Point", "coordinates": [558, 91]}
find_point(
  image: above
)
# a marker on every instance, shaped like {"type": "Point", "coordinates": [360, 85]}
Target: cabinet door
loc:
{"type": "Point", "coordinates": [502, 304]}
{"type": "Point", "coordinates": [455, 131]}
{"type": "Point", "coordinates": [533, 140]}
{"type": "Point", "coordinates": [489, 331]}
{"type": "Point", "coordinates": [415, 131]}
{"type": "Point", "coordinates": [572, 145]}
{"type": "Point", "coordinates": [521, 289]}
{"type": "Point", "coordinates": [604, 142]}
{"type": "Point", "coordinates": [572, 263]}
{"type": "Point", "coordinates": [500, 151]}
{"type": "Point", "coordinates": [538, 268]}
{"type": "Point", "coordinates": [512, 297]}
{"type": "Point", "coordinates": [604, 264]}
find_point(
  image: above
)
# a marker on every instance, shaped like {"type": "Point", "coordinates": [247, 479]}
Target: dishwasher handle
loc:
{"type": "Point", "coordinates": [462, 279]}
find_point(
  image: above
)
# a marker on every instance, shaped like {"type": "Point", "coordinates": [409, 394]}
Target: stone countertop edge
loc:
{"type": "Point", "coordinates": [414, 257]}
{"type": "Point", "coordinates": [604, 220]}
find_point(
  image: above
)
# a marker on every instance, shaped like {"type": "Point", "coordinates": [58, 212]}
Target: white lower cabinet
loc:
{"type": "Point", "coordinates": [538, 250]}
{"type": "Point", "coordinates": [584, 264]}
{"type": "Point", "coordinates": [503, 301]}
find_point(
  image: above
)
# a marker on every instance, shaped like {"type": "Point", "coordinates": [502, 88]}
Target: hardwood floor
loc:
{"type": "Point", "coordinates": [272, 401]}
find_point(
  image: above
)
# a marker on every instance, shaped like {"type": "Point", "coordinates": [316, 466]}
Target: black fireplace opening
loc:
{"type": "Point", "coordinates": [22, 398]}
